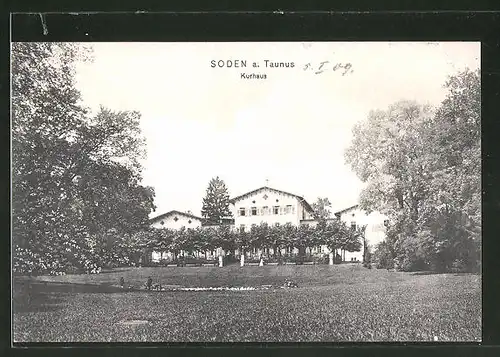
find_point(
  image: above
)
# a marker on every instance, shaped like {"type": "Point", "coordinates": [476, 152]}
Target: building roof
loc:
{"type": "Point", "coordinates": [345, 210]}
{"type": "Point", "coordinates": [301, 199]}
{"type": "Point", "coordinates": [175, 212]}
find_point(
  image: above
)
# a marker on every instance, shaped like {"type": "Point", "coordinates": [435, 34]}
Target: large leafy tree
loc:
{"type": "Point", "coordinates": [216, 201]}
{"type": "Point", "coordinates": [421, 167]}
{"type": "Point", "coordinates": [75, 175]}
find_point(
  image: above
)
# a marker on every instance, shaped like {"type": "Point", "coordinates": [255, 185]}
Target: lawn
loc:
{"type": "Point", "coordinates": [332, 303]}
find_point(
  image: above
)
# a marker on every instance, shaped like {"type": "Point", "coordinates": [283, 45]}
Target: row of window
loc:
{"type": "Point", "coordinates": [288, 250]}
{"type": "Point", "coordinates": [265, 210]}
{"type": "Point", "coordinates": [243, 227]}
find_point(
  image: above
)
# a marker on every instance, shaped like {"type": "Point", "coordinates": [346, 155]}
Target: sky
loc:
{"type": "Point", "coordinates": [291, 128]}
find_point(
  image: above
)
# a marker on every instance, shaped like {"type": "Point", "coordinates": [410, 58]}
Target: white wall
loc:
{"type": "Point", "coordinates": [257, 200]}
{"type": "Point", "coordinates": [375, 228]}
{"type": "Point", "coordinates": [182, 221]}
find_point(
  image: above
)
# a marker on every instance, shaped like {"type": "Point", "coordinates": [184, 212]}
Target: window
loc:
{"type": "Point", "coordinates": [254, 211]}
{"type": "Point", "coordinates": [386, 222]}
{"type": "Point", "coordinates": [162, 223]}
{"type": "Point", "coordinates": [353, 225]}
{"type": "Point", "coordinates": [176, 219]}
{"type": "Point", "coordinates": [276, 209]}
{"type": "Point", "coordinates": [288, 209]}
{"type": "Point", "coordinates": [277, 224]}
{"type": "Point", "coordinates": [242, 211]}
{"type": "Point", "coordinates": [189, 221]}
{"type": "Point", "coordinates": [265, 210]}
{"type": "Point", "coordinates": [242, 228]}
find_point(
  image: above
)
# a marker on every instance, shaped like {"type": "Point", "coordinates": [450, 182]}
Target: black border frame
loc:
{"type": "Point", "coordinates": [193, 25]}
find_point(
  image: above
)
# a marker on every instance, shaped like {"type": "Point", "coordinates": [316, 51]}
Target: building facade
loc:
{"type": "Point", "coordinates": [173, 220]}
{"type": "Point", "coordinates": [276, 207]}
{"type": "Point", "coordinates": [176, 220]}
{"type": "Point", "coordinates": [375, 223]}
{"type": "Point", "coordinates": [271, 206]}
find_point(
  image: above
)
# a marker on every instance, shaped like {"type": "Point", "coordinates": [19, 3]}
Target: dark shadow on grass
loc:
{"type": "Point", "coordinates": [108, 271]}
{"type": "Point", "coordinates": [442, 273]}
{"type": "Point", "coordinates": [426, 273]}
{"type": "Point", "coordinates": [40, 302]}
{"type": "Point", "coordinates": [35, 287]}
{"type": "Point", "coordinates": [465, 274]}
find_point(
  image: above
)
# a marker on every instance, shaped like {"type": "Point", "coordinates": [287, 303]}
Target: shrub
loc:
{"type": "Point", "coordinates": [321, 259]}
{"type": "Point", "coordinates": [462, 266]}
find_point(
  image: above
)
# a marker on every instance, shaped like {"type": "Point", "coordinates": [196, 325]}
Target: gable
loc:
{"type": "Point", "coordinates": [175, 213]}
{"type": "Point", "coordinates": [266, 191]}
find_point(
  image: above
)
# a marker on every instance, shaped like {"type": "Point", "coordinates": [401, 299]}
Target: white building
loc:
{"type": "Point", "coordinates": [271, 206]}
{"type": "Point", "coordinates": [173, 220]}
{"type": "Point", "coordinates": [375, 223]}
{"type": "Point", "coordinates": [276, 207]}
{"type": "Point", "coordinates": [176, 220]}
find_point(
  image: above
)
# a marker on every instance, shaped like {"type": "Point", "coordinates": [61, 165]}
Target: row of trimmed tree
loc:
{"type": "Point", "coordinates": [334, 234]}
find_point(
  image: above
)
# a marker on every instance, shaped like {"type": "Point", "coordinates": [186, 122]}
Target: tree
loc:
{"type": "Point", "coordinates": [216, 202]}
{"type": "Point", "coordinates": [382, 256]}
{"type": "Point", "coordinates": [303, 239]}
{"type": "Point", "coordinates": [421, 167]}
{"type": "Point", "coordinates": [367, 250]}
{"type": "Point", "coordinates": [354, 241]}
{"type": "Point", "coordinates": [332, 232]}
{"type": "Point", "coordinates": [321, 208]}
{"type": "Point", "coordinates": [226, 239]}
{"type": "Point", "coordinates": [243, 241]}
{"type": "Point", "coordinates": [74, 176]}
{"type": "Point", "coordinates": [280, 237]}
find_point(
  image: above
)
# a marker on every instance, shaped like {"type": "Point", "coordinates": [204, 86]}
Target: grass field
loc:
{"type": "Point", "coordinates": [332, 303]}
